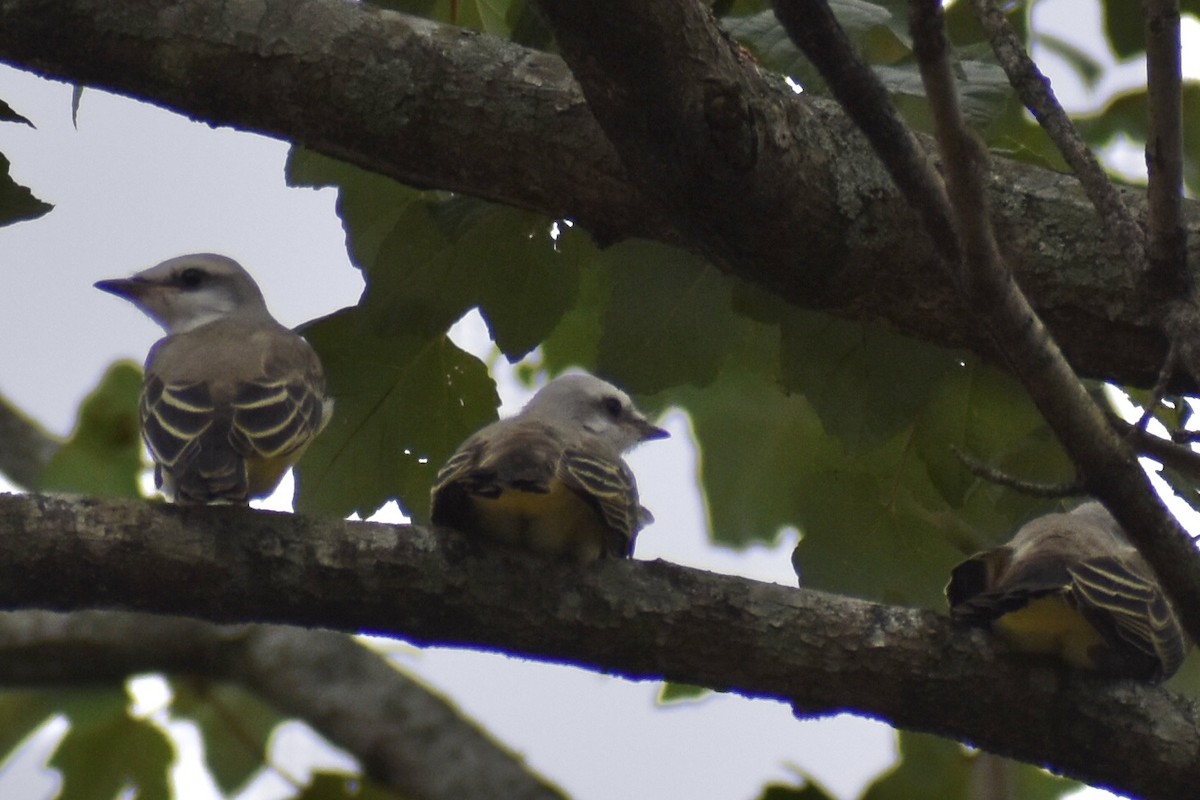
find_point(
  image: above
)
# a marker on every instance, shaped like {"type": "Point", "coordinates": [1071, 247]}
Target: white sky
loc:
{"type": "Point", "coordinates": [135, 184]}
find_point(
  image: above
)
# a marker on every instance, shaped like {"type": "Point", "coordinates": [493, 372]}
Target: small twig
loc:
{"type": "Point", "coordinates": [1160, 387]}
{"type": "Point", "coordinates": [1168, 453]}
{"type": "Point", "coordinates": [1168, 274]}
{"type": "Point", "coordinates": [814, 29]}
{"type": "Point", "coordinates": [991, 474]}
{"type": "Point", "coordinates": [1034, 90]}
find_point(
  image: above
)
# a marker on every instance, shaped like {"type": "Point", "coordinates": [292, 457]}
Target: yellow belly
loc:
{"type": "Point", "coordinates": [559, 523]}
{"type": "Point", "coordinates": [1051, 625]}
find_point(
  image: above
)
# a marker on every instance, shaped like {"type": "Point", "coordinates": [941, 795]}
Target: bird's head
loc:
{"type": "Point", "coordinates": [597, 406]}
{"type": "Point", "coordinates": [183, 293]}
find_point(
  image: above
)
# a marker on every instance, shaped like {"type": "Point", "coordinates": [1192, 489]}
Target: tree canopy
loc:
{"type": "Point", "coordinates": [876, 328]}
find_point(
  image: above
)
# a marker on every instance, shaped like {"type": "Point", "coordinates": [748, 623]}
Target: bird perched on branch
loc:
{"type": "Point", "coordinates": [1073, 586]}
{"type": "Point", "coordinates": [551, 479]}
{"type": "Point", "coordinates": [231, 398]}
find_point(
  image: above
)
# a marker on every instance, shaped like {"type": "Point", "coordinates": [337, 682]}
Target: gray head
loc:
{"type": "Point", "coordinates": [184, 293]}
{"type": "Point", "coordinates": [596, 406]}
{"type": "Point", "coordinates": [1086, 531]}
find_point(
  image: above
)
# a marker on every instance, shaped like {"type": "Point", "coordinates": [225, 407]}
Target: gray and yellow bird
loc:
{"type": "Point", "coordinates": [551, 479]}
{"type": "Point", "coordinates": [231, 398]}
{"type": "Point", "coordinates": [1073, 586]}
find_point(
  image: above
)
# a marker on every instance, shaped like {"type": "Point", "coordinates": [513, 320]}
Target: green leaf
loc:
{"type": "Point", "coordinates": [989, 416]}
{"type": "Point", "coordinates": [671, 693]}
{"type": "Point", "coordinates": [864, 381]}
{"type": "Point", "coordinates": [1127, 114]}
{"type": "Point", "coordinates": [368, 204]}
{"type": "Point", "coordinates": [810, 791]}
{"type": "Point", "coordinates": [930, 766]}
{"type": "Point", "coordinates": [429, 257]}
{"type": "Point", "coordinates": [403, 404]}
{"type": "Point", "coordinates": [104, 454]}
{"type": "Point", "coordinates": [107, 750]}
{"type": "Point", "coordinates": [342, 786]}
{"type": "Point", "coordinates": [879, 35]}
{"type": "Point", "coordinates": [754, 444]}
{"type": "Point", "coordinates": [669, 319]}
{"type": "Point", "coordinates": [1089, 70]}
{"type": "Point", "coordinates": [21, 713]}
{"type": "Point", "coordinates": [234, 724]}
{"type": "Point", "coordinates": [16, 202]}
{"type": "Point", "coordinates": [575, 340]}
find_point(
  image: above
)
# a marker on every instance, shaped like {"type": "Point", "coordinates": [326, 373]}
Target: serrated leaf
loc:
{"type": "Point", "coordinates": [106, 750]}
{"type": "Point", "coordinates": [864, 381]}
{"type": "Point", "coordinates": [17, 203]}
{"type": "Point", "coordinates": [103, 456]}
{"type": "Point", "coordinates": [402, 405]}
{"type": "Point", "coordinates": [234, 724]}
{"type": "Point", "coordinates": [669, 319]}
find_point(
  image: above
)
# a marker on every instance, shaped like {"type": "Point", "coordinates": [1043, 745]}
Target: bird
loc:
{"type": "Point", "coordinates": [230, 398]}
{"type": "Point", "coordinates": [552, 479]}
{"type": "Point", "coordinates": [1072, 585]}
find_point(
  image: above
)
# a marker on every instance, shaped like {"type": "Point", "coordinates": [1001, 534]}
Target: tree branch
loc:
{"type": "Point", "coordinates": [406, 738]}
{"type": "Point", "coordinates": [822, 653]}
{"type": "Point", "coordinates": [436, 106]}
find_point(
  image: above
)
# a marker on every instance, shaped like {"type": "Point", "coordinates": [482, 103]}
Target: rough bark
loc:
{"type": "Point", "coordinates": [795, 201]}
{"type": "Point", "coordinates": [821, 653]}
{"type": "Point", "coordinates": [406, 738]}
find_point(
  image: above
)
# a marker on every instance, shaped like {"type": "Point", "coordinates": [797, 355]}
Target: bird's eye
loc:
{"type": "Point", "coordinates": [192, 277]}
{"type": "Point", "coordinates": [612, 406]}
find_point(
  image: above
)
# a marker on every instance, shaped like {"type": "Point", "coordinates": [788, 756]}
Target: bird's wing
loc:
{"type": "Point", "coordinates": [608, 483]}
{"type": "Point", "coordinates": [1130, 610]}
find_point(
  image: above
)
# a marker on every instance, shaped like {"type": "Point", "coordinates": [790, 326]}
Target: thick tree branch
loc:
{"type": "Point", "coordinates": [25, 448]}
{"type": "Point", "coordinates": [821, 653]}
{"type": "Point", "coordinates": [406, 738]}
{"type": "Point", "coordinates": [436, 106]}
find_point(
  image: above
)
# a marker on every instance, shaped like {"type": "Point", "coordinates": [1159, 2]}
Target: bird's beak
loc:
{"type": "Point", "coordinates": [648, 431]}
{"type": "Point", "coordinates": [129, 288]}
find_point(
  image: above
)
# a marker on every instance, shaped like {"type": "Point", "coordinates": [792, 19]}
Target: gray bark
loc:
{"type": "Point", "coordinates": [776, 188]}
{"type": "Point", "coordinates": [643, 620]}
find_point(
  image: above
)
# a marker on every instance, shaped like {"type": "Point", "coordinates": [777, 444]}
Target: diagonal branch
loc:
{"type": "Point", "coordinates": [436, 106]}
{"type": "Point", "coordinates": [821, 653]}
{"type": "Point", "coordinates": [1036, 94]}
{"type": "Point", "coordinates": [406, 738]}
{"type": "Point", "coordinates": [1106, 462]}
